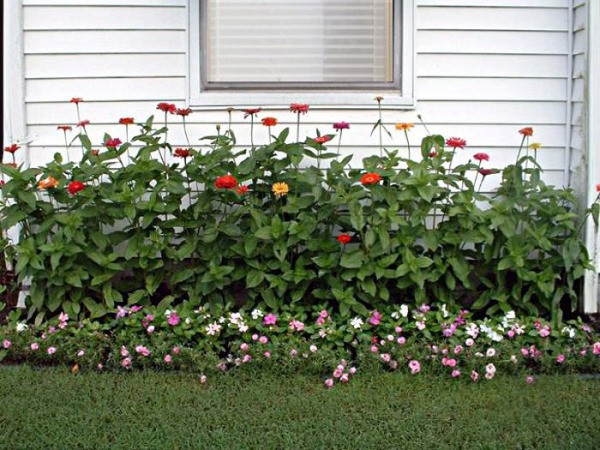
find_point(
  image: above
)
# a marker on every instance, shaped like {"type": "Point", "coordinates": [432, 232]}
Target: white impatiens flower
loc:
{"type": "Point", "coordinates": [256, 314]}
{"type": "Point", "coordinates": [222, 319]}
{"type": "Point", "coordinates": [395, 315]}
{"type": "Point", "coordinates": [235, 318]}
{"type": "Point", "coordinates": [472, 330]}
{"type": "Point", "coordinates": [444, 311]}
{"type": "Point", "coordinates": [322, 333]}
{"type": "Point", "coordinates": [490, 353]}
{"type": "Point", "coordinates": [404, 310]}
{"type": "Point", "coordinates": [357, 322]}
{"type": "Point", "coordinates": [22, 326]}
{"type": "Point", "coordinates": [566, 330]}
{"type": "Point", "coordinates": [188, 320]}
{"type": "Point", "coordinates": [168, 313]}
{"type": "Point", "coordinates": [213, 329]}
{"type": "Point", "coordinates": [243, 328]}
{"type": "Point", "coordinates": [509, 317]}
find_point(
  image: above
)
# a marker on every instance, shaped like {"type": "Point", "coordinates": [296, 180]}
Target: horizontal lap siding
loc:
{"type": "Point", "coordinates": [484, 69]}
{"type": "Point", "coordinates": [577, 163]}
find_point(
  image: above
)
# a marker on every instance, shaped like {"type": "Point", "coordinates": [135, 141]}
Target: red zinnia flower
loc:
{"type": "Point", "coordinates": [300, 108]}
{"type": "Point", "coordinates": [344, 238]}
{"type": "Point", "coordinates": [370, 178]}
{"type": "Point", "coordinates": [126, 120]}
{"type": "Point", "coordinates": [242, 190]}
{"type": "Point", "coordinates": [181, 153]}
{"type": "Point", "coordinates": [83, 123]}
{"type": "Point", "coordinates": [65, 128]}
{"type": "Point", "coordinates": [456, 142]}
{"type": "Point", "coordinates": [598, 188]}
{"type": "Point", "coordinates": [527, 131]}
{"type": "Point", "coordinates": [167, 107]}
{"type": "Point", "coordinates": [322, 139]}
{"type": "Point", "coordinates": [113, 143]}
{"type": "Point", "coordinates": [226, 182]}
{"type": "Point", "coordinates": [251, 111]}
{"type": "Point", "coordinates": [75, 186]}
{"type": "Point", "coordinates": [269, 121]}
{"type": "Point", "coordinates": [76, 100]}
{"type": "Point", "coordinates": [432, 154]}
{"type": "Point", "coordinates": [341, 126]}
{"type": "Point", "coordinates": [486, 172]}
{"type": "Point", "coordinates": [184, 112]}
{"type": "Point", "coordinates": [12, 148]}
{"type": "Point", "coordinates": [481, 156]}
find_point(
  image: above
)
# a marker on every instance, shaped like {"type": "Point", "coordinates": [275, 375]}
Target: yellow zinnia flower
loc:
{"type": "Point", "coordinates": [280, 189]}
{"type": "Point", "coordinates": [404, 126]}
{"type": "Point", "coordinates": [535, 146]}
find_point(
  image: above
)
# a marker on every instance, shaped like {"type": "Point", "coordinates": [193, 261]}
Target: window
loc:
{"type": "Point", "coordinates": [274, 52]}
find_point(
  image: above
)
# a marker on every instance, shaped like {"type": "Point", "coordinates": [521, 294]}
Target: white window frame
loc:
{"type": "Point", "coordinates": [345, 99]}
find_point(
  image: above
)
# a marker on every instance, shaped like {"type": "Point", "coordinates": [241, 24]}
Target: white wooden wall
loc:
{"type": "Point", "coordinates": [484, 69]}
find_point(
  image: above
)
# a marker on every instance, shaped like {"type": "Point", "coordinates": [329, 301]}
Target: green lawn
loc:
{"type": "Point", "coordinates": [50, 408]}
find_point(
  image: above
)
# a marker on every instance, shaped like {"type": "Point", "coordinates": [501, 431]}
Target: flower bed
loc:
{"type": "Point", "coordinates": [132, 220]}
{"type": "Point", "coordinates": [444, 342]}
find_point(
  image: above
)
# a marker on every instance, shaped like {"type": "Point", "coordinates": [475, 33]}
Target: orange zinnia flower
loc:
{"type": "Point", "coordinates": [404, 126]}
{"type": "Point", "coordinates": [527, 131]}
{"type": "Point", "coordinates": [48, 183]}
{"type": "Point", "coordinates": [370, 178]}
{"type": "Point", "coordinates": [269, 121]}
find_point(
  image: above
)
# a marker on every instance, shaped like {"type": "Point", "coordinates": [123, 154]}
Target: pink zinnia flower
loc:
{"type": "Point", "coordinates": [338, 372]}
{"type": "Point", "coordinates": [267, 354]}
{"type": "Point", "coordinates": [456, 142]}
{"type": "Point", "coordinates": [263, 339]}
{"type": "Point", "coordinates": [126, 363]}
{"type": "Point", "coordinates": [341, 126]}
{"type": "Point", "coordinates": [35, 346]}
{"type": "Point", "coordinates": [344, 378]}
{"type": "Point", "coordinates": [329, 383]}
{"type": "Point", "coordinates": [246, 359]}
{"type": "Point", "coordinates": [168, 359]}
{"type": "Point", "coordinates": [374, 349]}
{"type": "Point", "coordinates": [176, 350]}
{"type": "Point", "coordinates": [414, 366]}
{"type": "Point", "coordinates": [124, 352]}
{"type": "Point", "coordinates": [481, 156]}
{"type": "Point", "coordinates": [270, 319]}
{"type": "Point", "coordinates": [560, 359]}
{"type": "Point", "coordinates": [455, 373]}
{"type": "Point", "coordinates": [112, 143]}
{"type": "Point", "coordinates": [300, 108]}
{"type": "Point", "coordinates": [244, 347]}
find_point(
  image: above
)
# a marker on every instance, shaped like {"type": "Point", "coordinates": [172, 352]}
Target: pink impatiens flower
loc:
{"type": "Point", "coordinates": [6, 343]}
{"type": "Point", "coordinates": [168, 359]}
{"type": "Point", "coordinates": [270, 319]}
{"type": "Point", "coordinates": [596, 348]}
{"type": "Point", "coordinates": [142, 350]}
{"type": "Point", "coordinates": [414, 366]}
{"type": "Point", "coordinates": [329, 383]}
{"type": "Point", "coordinates": [173, 319]}
{"type": "Point", "coordinates": [474, 375]}
{"type": "Point", "coordinates": [51, 350]}
{"type": "Point", "coordinates": [35, 346]}
{"type": "Point", "coordinates": [296, 325]}
{"type": "Point", "coordinates": [375, 318]}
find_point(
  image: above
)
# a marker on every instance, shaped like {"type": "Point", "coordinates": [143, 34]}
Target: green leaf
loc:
{"type": "Point", "coordinates": [254, 278]}
{"type": "Point", "coordinates": [181, 275]}
{"type": "Point", "coordinates": [263, 233]}
{"type": "Point", "coordinates": [352, 259]}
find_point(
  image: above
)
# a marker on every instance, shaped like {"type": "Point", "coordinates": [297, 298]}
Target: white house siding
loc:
{"type": "Point", "coordinates": [484, 69]}
{"type": "Point", "coordinates": [577, 166]}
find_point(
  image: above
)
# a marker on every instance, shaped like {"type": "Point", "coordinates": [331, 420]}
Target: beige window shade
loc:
{"type": "Point", "coordinates": [295, 41]}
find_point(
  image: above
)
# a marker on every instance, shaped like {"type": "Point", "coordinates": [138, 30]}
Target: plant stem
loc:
{"type": "Point", "coordinates": [340, 142]}
{"type": "Point", "coordinates": [407, 143]}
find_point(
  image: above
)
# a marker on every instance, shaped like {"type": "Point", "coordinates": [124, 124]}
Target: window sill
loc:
{"type": "Point", "coordinates": [317, 100]}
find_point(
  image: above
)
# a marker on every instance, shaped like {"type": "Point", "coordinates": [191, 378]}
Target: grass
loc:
{"type": "Point", "coordinates": [51, 409]}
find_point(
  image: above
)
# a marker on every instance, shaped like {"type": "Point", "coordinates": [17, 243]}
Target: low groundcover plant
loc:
{"type": "Point", "coordinates": [427, 339]}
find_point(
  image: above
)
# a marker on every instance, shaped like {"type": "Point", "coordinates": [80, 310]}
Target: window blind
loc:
{"type": "Point", "coordinates": [294, 41]}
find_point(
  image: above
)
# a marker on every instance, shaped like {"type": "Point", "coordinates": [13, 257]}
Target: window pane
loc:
{"type": "Point", "coordinates": [289, 41]}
